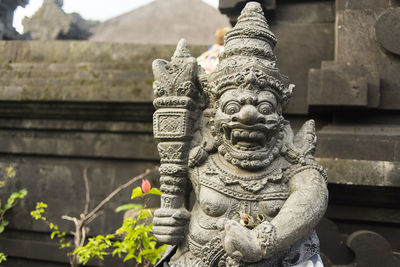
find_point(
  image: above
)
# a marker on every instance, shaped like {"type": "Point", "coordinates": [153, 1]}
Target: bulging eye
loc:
{"type": "Point", "coordinates": [232, 108]}
{"type": "Point", "coordinates": [265, 108]}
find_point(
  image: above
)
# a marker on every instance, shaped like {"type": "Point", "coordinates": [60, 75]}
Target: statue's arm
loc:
{"type": "Point", "coordinates": [301, 212]}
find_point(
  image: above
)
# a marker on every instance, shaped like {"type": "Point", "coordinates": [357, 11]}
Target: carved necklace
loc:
{"type": "Point", "coordinates": [252, 183]}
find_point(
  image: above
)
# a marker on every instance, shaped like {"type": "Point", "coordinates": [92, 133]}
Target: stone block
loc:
{"type": "Point", "coordinates": [387, 30]}
{"type": "Point", "coordinates": [298, 50]}
{"type": "Point", "coordinates": [363, 142]}
{"type": "Point", "coordinates": [307, 12]}
{"type": "Point", "coordinates": [364, 4]}
{"type": "Point", "coordinates": [79, 144]}
{"type": "Point", "coordinates": [339, 85]}
{"type": "Point", "coordinates": [357, 46]}
{"type": "Point", "coordinates": [91, 72]}
{"type": "Point", "coordinates": [362, 172]}
{"type": "Point", "coordinates": [59, 183]}
{"type": "Point", "coordinates": [134, 55]}
{"type": "Point", "coordinates": [371, 249]}
{"type": "Point", "coordinates": [359, 55]}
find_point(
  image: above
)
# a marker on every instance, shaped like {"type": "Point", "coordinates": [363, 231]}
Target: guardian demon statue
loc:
{"type": "Point", "coordinates": [258, 190]}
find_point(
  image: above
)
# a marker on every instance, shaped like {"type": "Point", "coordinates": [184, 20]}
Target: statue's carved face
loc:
{"type": "Point", "coordinates": [246, 124]}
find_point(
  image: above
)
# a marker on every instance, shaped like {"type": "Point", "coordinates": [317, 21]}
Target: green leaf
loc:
{"type": "Point", "coordinates": [3, 225]}
{"type": "Point", "coordinates": [154, 191]}
{"type": "Point", "coordinates": [131, 256]}
{"type": "Point", "coordinates": [137, 192]}
{"type": "Point", "coordinates": [10, 172]}
{"type": "Point", "coordinates": [143, 214]}
{"type": "Point", "coordinates": [129, 206]}
{"type": "Point", "coordinates": [41, 205]}
{"type": "Point", "coordinates": [14, 197]}
{"type": "Point", "coordinates": [23, 193]}
{"type": "Point", "coordinates": [39, 210]}
{"type": "Point", "coordinates": [53, 234]}
{"type": "Point", "coordinates": [2, 257]}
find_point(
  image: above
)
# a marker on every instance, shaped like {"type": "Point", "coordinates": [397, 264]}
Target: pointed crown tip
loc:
{"type": "Point", "coordinates": [255, 6]}
{"type": "Point", "coordinates": [182, 42]}
{"type": "Point", "coordinates": [182, 49]}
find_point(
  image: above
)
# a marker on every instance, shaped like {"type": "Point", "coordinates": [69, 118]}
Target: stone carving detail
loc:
{"type": "Point", "coordinates": [7, 8]}
{"type": "Point", "coordinates": [259, 192]}
{"type": "Point", "coordinates": [50, 22]}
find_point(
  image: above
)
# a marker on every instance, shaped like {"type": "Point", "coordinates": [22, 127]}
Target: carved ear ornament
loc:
{"type": "Point", "coordinates": [303, 144]}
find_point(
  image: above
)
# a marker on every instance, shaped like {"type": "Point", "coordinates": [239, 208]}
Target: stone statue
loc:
{"type": "Point", "coordinates": [258, 190]}
{"type": "Point", "coordinates": [50, 22]}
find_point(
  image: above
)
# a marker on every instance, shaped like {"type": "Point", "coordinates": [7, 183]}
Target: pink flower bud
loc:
{"type": "Point", "coordinates": [146, 186]}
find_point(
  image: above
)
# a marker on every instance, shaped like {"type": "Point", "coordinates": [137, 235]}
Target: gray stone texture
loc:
{"type": "Point", "coordinates": [364, 71]}
{"type": "Point", "coordinates": [78, 71]}
{"type": "Point", "coordinates": [50, 22]}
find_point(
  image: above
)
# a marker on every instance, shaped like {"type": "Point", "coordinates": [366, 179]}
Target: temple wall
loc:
{"type": "Point", "coordinates": [67, 106]}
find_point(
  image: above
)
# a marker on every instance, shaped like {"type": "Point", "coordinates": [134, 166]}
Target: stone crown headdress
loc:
{"type": "Point", "coordinates": [248, 62]}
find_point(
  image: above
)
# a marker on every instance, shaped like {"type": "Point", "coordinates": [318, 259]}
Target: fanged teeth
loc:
{"type": "Point", "coordinates": [253, 135]}
{"type": "Point", "coordinates": [238, 135]}
{"type": "Point", "coordinates": [244, 134]}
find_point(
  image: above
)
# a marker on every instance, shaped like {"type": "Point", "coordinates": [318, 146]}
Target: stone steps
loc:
{"type": "Point", "coordinates": [74, 71]}
{"type": "Point", "coordinates": [80, 74]}
{"type": "Point", "coordinates": [31, 66]}
{"type": "Point", "coordinates": [86, 81]}
{"type": "Point", "coordinates": [82, 51]}
{"type": "Point", "coordinates": [137, 91]}
{"type": "Point", "coordinates": [82, 79]}
{"type": "Point", "coordinates": [111, 71]}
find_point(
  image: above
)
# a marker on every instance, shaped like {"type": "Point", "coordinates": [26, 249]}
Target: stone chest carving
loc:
{"type": "Point", "coordinates": [259, 192]}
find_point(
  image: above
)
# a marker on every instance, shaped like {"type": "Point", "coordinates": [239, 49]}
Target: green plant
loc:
{"type": "Point", "coordinates": [9, 204]}
{"type": "Point", "coordinates": [134, 239]}
{"type": "Point", "coordinates": [38, 214]}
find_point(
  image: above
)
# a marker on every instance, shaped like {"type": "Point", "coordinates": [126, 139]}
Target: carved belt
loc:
{"type": "Point", "coordinates": [210, 254]}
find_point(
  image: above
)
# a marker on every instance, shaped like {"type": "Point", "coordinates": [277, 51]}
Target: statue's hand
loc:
{"type": "Point", "coordinates": [240, 243]}
{"type": "Point", "coordinates": [169, 225]}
